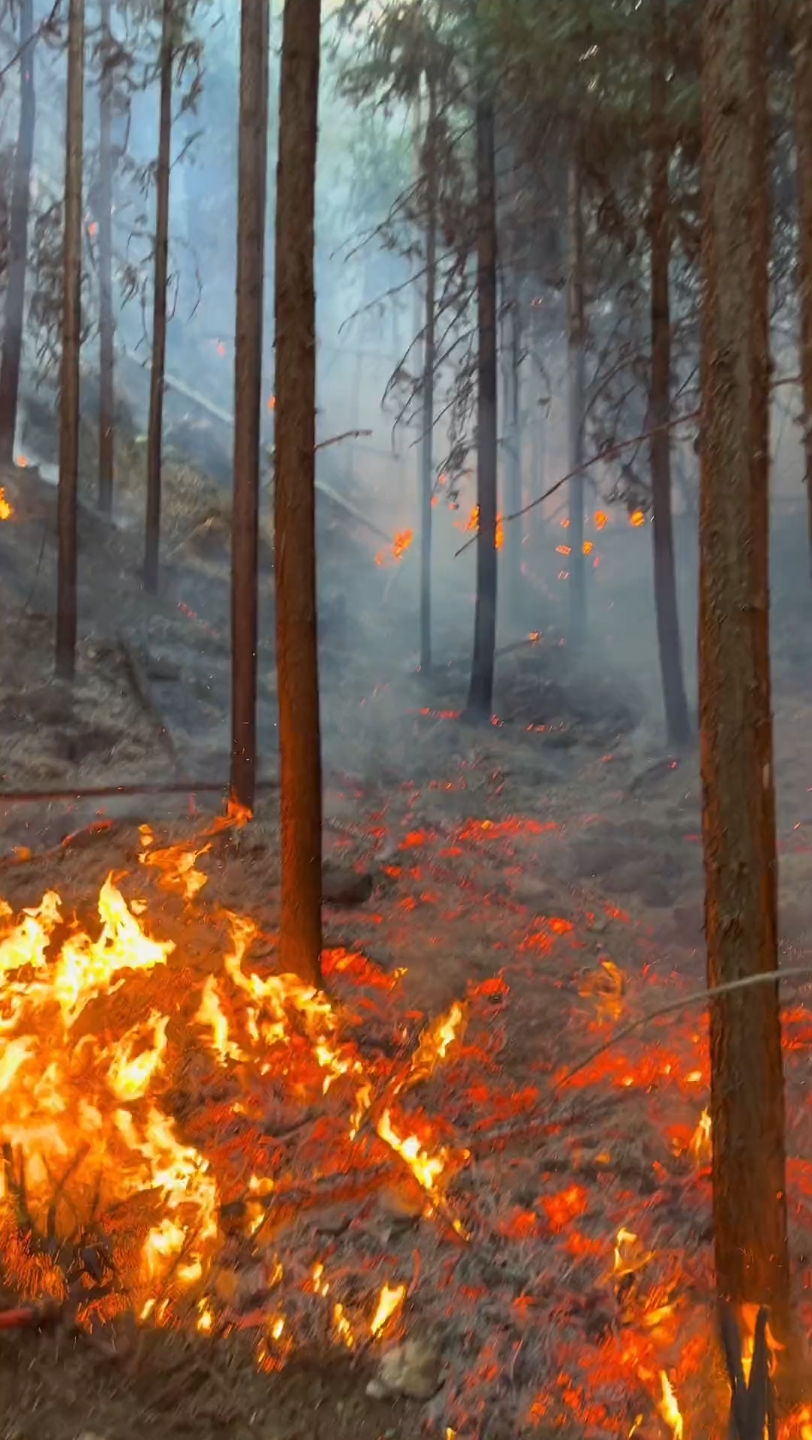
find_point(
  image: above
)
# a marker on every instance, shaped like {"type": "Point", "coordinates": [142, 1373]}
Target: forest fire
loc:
{"type": "Point", "coordinates": [96, 1033]}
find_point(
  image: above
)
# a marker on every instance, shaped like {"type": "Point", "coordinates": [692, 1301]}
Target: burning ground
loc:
{"type": "Point", "coordinates": [243, 1201]}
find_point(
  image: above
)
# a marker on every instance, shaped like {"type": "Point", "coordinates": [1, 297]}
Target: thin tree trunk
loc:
{"type": "Point", "coordinates": [747, 1090]}
{"type": "Point", "coordinates": [66, 604]}
{"type": "Point", "coordinates": [576, 402]}
{"type": "Point", "coordinates": [160, 276]}
{"type": "Point", "coordinates": [253, 166]}
{"type": "Point", "coordinates": [480, 691]}
{"type": "Point", "coordinates": [513, 464]}
{"type": "Point", "coordinates": [678, 725]}
{"type": "Point", "coordinates": [294, 496]}
{"type": "Point", "coordinates": [107, 394]}
{"type": "Point", "coordinates": [18, 239]}
{"type": "Point", "coordinates": [803, 144]}
{"type": "Point", "coordinates": [427, 443]}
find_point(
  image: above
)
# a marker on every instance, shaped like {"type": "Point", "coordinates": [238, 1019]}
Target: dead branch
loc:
{"type": "Point", "coordinates": [769, 977]}
{"type": "Point", "coordinates": [595, 460]}
{"type": "Point", "coordinates": [137, 675]}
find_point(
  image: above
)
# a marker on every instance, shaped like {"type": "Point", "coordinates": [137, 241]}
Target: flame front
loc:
{"type": "Point", "coordinates": [88, 1059]}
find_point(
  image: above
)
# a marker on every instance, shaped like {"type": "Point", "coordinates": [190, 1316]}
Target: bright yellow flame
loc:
{"type": "Point", "coordinates": [389, 1302]}
{"type": "Point", "coordinates": [669, 1408]}
{"type": "Point", "coordinates": [6, 507]}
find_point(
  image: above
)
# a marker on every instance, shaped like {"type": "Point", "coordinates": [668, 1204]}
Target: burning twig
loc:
{"type": "Point", "coordinates": [78, 839]}
{"type": "Point", "coordinates": [752, 1405]}
{"type": "Point", "coordinates": [769, 977]}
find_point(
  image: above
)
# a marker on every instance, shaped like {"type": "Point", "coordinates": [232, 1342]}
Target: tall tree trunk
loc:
{"type": "Point", "coordinates": [66, 603]}
{"type": "Point", "coordinates": [747, 1090]}
{"type": "Point", "coordinates": [480, 691]}
{"type": "Point", "coordinates": [512, 568]}
{"type": "Point", "coordinates": [107, 394]}
{"type": "Point", "coordinates": [576, 406]}
{"type": "Point", "coordinates": [427, 442]}
{"type": "Point", "coordinates": [253, 166]}
{"type": "Point", "coordinates": [160, 276]}
{"type": "Point", "coordinates": [677, 720]}
{"type": "Point", "coordinates": [802, 38]}
{"type": "Point", "coordinates": [294, 496]}
{"type": "Point", "coordinates": [18, 238]}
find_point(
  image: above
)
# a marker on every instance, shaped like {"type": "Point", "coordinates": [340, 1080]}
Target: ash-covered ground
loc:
{"type": "Point", "coordinates": [545, 871]}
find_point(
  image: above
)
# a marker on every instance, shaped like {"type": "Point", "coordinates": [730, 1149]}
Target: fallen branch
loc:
{"type": "Point", "coordinates": [23, 856]}
{"type": "Point", "coordinates": [107, 792]}
{"type": "Point", "coordinates": [226, 418]}
{"type": "Point", "coordinates": [143, 691]}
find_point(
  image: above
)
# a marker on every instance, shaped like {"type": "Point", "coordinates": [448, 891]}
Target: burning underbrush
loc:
{"type": "Point", "coordinates": [193, 1142]}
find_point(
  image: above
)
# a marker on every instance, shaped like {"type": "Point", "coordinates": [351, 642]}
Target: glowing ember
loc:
{"type": "Point", "coordinates": [398, 548]}
{"type": "Point", "coordinates": [601, 519]}
{"type": "Point", "coordinates": [6, 508]}
{"type": "Point", "coordinates": [637, 518]}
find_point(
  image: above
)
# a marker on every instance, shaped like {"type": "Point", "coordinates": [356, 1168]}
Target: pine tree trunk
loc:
{"type": "Point", "coordinates": [294, 496]}
{"type": "Point", "coordinates": [427, 442]}
{"type": "Point", "coordinates": [747, 1091]}
{"type": "Point", "coordinates": [513, 466]}
{"type": "Point", "coordinates": [802, 38]}
{"type": "Point", "coordinates": [677, 720]}
{"type": "Point", "coordinates": [253, 167]}
{"type": "Point", "coordinates": [576, 404]}
{"type": "Point", "coordinates": [66, 604]}
{"type": "Point", "coordinates": [107, 395]}
{"type": "Point", "coordinates": [480, 691]}
{"type": "Point", "coordinates": [159, 307]}
{"type": "Point", "coordinates": [18, 239]}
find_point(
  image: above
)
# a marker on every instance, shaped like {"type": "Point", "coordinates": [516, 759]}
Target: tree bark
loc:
{"type": "Point", "coordinates": [18, 239]}
{"type": "Point", "coordinates": [576, 405]}
{"type": "Point", "coordinates": [427, 442]}
{"type": "Point", "coordinates": [294, 496]}
{"type": "Point", "coordinates": [66, 607]}
{"type": "Point", "coordinates": [513, 448]}
{"type": "Point", "coordinates": [107, 396]}
{"type": "Point", "coordinates": [678, 724]}
{"type": "Point", "coordinates": [160, 276]}
{"type": "Point", "coordinates": [480, 691]}
{"type": "Point", "coordinates": [802, 47]}
{"type": "Point", "coordinates": [253, 166]}
{"type": "Point", "coordinates": [747, 1093]}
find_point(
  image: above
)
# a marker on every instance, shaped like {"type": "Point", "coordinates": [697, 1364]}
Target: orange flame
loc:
{"type": "Point", "coordinates": [398, 548]}
{"type": "Point", "coordinates": [6, 508]}
{"type": "Point", "coordinates": [601, 519]}
{"type": "Point", "coordinates": [473, 524]}
{"type": "Point", "coordinates": [637, 518]}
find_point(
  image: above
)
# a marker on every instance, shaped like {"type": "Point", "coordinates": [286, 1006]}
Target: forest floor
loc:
{"type": "Point", "coordinates": [543, 875]}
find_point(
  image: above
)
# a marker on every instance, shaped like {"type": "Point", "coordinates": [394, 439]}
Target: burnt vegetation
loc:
{"type": "Point", "coordinates": [405, 414]}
